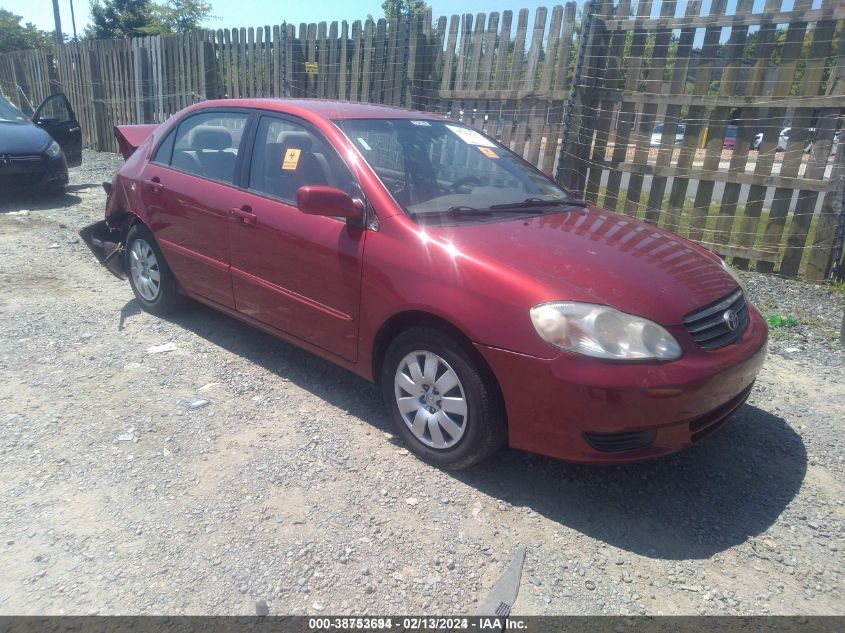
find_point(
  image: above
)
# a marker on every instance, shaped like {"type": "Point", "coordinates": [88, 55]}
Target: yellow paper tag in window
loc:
{"type": "Point", "coordinates": [291, 159]}
{"type": "Point", "coordinates": [489, 153]}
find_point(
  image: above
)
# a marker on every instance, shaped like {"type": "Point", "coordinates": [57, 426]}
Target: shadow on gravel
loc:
{"type": "Point", "coordinates": [36, 201]}
{"type": "Point", "coordinates": [82, 187]}
{"type": "Point", "coordinates": [129, 310]}
{"type": "Point", "coordinates": [329, 382]}
{"type": "Point", "coordinates": [691, 505]}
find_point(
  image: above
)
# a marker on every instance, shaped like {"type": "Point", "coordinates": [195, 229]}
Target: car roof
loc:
{"type": "Point", "coordinates": [325, 108]}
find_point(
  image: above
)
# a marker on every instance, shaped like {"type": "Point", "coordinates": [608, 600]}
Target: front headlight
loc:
{"type": "Point", "coordinates": [602, 332]}
{"type": "Point", "coordinates": [54, 150]}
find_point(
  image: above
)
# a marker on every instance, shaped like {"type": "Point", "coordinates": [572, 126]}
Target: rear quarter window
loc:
{"type": "Point", "coordinates": [165, 149]}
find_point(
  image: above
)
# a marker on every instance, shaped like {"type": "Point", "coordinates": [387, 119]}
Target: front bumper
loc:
{"type": "Point", "coordinates": [34, 174]}
{"type": "Point", "coordinates": [587, 410]}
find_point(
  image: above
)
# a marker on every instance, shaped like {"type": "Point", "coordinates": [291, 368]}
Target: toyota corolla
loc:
{"type": "Point", "coordinates": [491, 305]}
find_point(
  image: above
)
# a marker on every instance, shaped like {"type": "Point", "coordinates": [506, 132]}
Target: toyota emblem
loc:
{"type": "Point", "coordinates": [731, 319]}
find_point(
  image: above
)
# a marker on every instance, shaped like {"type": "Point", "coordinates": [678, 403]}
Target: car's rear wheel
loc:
{"type": "Point", "coordinates": [444, 403]}
{"type": "Point", "coordinates": [150, 277]}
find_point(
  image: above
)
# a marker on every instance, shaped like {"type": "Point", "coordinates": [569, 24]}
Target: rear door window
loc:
{"type": "Point", "coordinates": [207, 145]}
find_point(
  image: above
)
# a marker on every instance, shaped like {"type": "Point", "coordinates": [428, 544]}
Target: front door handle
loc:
{"type": "Point", "coordinates": [244, 215]}
{"type": "Point", "coordinates": [154, 185]}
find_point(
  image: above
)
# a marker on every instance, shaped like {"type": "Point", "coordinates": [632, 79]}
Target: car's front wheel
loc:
{"type": "Point", "coordinates": [150, 277]}
{"type": "Point", "coordinates": [443, 401]}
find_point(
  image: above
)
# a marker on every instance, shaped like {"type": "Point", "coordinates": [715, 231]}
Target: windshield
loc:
{"type": "Point", "coordinates": [9, 113]}
{"type": "Point", "coordinates": [435, 167]}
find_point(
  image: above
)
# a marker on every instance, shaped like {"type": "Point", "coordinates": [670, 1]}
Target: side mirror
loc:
{"type": "Point", "coordinates": [330, 202]}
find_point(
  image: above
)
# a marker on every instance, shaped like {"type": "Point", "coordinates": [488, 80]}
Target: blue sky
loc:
{"type": "Point", "coordinates": [246, 13]}
{"type": "Point", "coordinates": [236, 13]}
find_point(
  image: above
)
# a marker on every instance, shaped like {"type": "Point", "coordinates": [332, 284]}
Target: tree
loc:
{"type": "Point", "coordinates": [403, 8]}
{"type": "Point", "coordinates": [15, 36]}
{"type": "Point", "coordinates": [180, 16]}
{"type": "Point", "coordinates": [122, 18]}
{"type": "Point", "coordinates": [138, 18]}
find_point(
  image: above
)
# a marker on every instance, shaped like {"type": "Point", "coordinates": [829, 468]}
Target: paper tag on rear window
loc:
{"type": "Point", "coordinates": [364, 144]}
{"type": "Point", "coordinates": [291, 159]}
{"type": "Point", "coordinates": [423, 123]}
{"type": "Point", "coordinates": [470, 137]}
{"type": "Point", "coordinates": [489, 153]}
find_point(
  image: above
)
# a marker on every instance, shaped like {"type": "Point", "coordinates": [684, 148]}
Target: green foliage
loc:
{"type": "Point", "coordinates": [15, 36]}
{"type": "Point", "coordinates": [180, 16]}
{"type": "Point", "coordinates": [139, 18]}
{"type": "Point", "coordinates": [121, 18]}
{"type": "Point", "coordinates": [648, 64]}
{"type": "Point", "coordinates": [399, 8]}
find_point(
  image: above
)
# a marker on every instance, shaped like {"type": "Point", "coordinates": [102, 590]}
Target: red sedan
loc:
{"type": "Point", "coordinates": [490, 304]}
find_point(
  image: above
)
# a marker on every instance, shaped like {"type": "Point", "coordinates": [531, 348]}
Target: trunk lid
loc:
{"type": "Point", "coordinates": [130, 137]}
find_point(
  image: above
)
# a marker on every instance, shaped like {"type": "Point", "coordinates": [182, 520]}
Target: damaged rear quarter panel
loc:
{"type": "Point", "coordinates": [124, 207]}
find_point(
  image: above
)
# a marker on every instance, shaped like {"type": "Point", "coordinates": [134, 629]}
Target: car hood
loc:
{"type": "Point", "coordinates": [22, 138]}
{"type": "Point", "coordinates": [598, 256]}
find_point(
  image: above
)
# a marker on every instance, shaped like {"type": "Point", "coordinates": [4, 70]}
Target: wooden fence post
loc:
{"type": "Point", "coordinates": [144, 84]}
{"type": "Point", "coordinates": [98, 98]}
{"type": "Point", "coordinates": [210, 69]}
{"type": "Point", "coordinates": [572, 165]}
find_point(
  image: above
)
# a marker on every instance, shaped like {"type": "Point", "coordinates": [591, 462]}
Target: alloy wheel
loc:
{"type": "Point", "coordinates": [144, 268]}
{"type": "Point", "coordinates": [431, 399]}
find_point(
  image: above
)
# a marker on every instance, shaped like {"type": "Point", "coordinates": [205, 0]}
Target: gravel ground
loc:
{"type": "Point", "coordinates": [237, 469]}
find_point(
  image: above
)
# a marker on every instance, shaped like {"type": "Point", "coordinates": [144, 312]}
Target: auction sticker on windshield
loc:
{"type": "Point", "coordinates": [470, 137]}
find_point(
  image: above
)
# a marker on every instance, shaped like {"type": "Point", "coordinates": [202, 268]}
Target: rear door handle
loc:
{"type": "Point", "coordinates": [154, 185]}
{"type": "Point", "coordinates": [244, 215]}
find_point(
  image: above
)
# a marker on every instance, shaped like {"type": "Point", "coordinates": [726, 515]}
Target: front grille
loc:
{"type": "Point", "coordinates": [13, 160]}
{"type": "Point", "coordinates": [708, 326]}
{"type": "Point", "coordinates": [617, 442]}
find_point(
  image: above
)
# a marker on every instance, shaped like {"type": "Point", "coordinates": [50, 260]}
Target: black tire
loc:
{"type": "Point", "coordinates": [485, 424]}
{"type": "Point", "coordinates": [167, 298]}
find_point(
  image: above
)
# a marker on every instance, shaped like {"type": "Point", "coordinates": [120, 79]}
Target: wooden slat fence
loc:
{"type": "Point", "coordinates": [707, 71]}
{"type": "Point", "coordinates": [713, 81]}
{"type": "Point", "coordinates": [27, 77]}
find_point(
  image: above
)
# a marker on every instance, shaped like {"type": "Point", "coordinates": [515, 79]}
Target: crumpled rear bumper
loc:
{"type": "Point", "coordinates": [107, 244]}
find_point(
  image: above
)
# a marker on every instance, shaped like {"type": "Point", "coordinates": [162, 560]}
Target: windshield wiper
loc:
{"type": "Point", "coordinates": [457, 210]}
{"type": "Point", "coordinates": [532, 203]}
{"type": "Point", "coordinates": [462, 209]}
